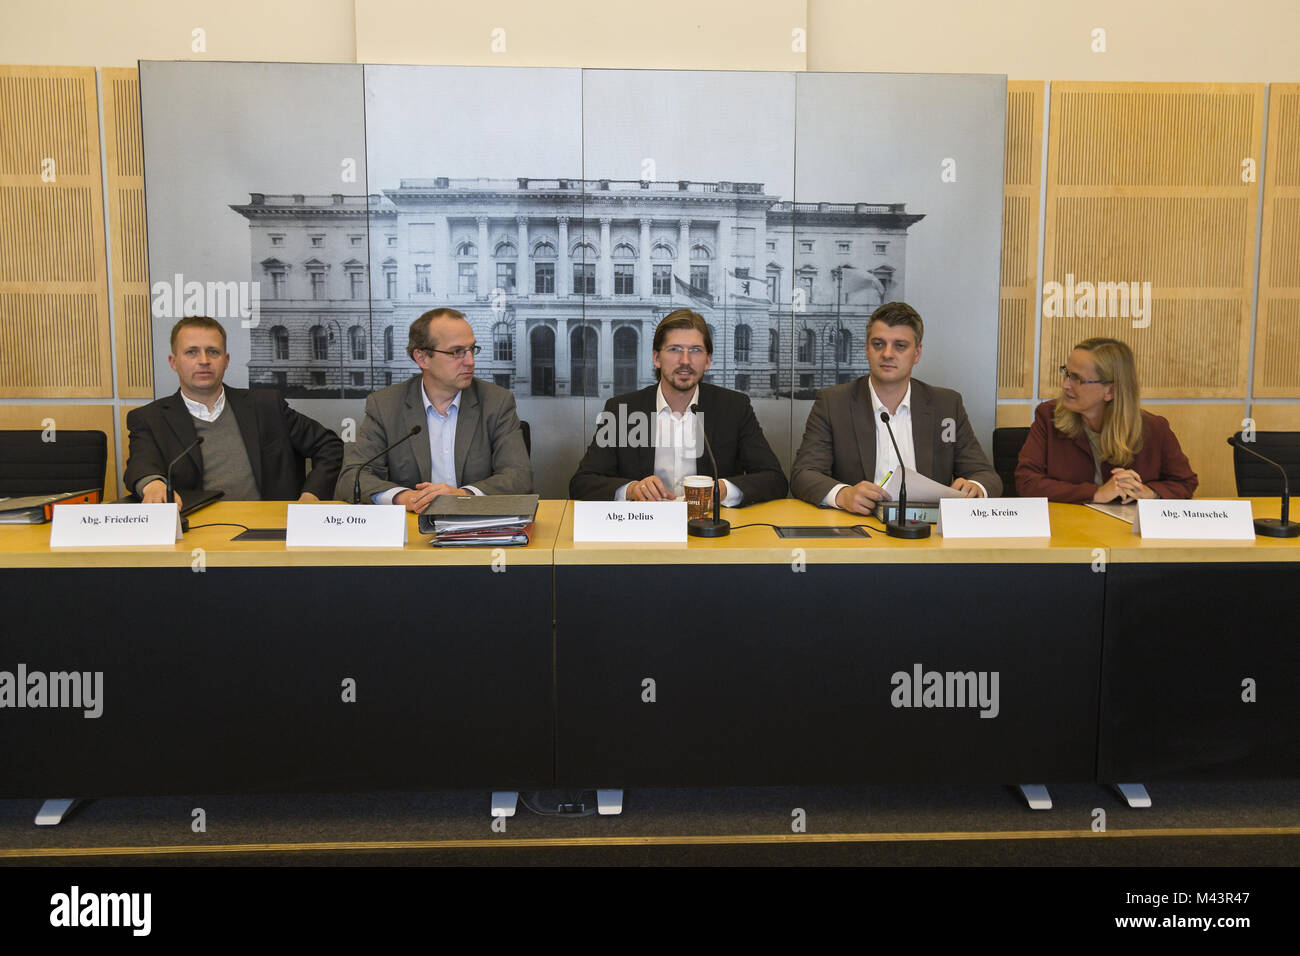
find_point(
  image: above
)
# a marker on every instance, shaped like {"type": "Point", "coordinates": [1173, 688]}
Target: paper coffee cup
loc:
{"type": "Point", "coordinates": [699, 496]}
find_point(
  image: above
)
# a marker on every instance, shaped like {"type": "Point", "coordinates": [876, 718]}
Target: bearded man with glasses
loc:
{"type": "Point", "coordinates": [656, 432]}
{"type": "Point", "coordinates": [470, 440]}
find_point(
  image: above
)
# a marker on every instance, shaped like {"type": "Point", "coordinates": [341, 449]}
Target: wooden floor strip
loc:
{"type": "Point", "coordinates": [702, 840]}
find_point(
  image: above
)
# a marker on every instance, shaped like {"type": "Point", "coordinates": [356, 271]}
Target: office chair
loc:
{"type": "Point", "coordinates": [74, 461]}
{"type": "Point", "coordinates": [1007, 443]}
{"type": "Point", "coordinates": [1259, 479]}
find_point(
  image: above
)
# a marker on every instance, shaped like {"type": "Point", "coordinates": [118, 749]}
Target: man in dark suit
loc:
{"type": "Point", "coordinates": [469, 442]}
{"type": "Point", "coordinates": [256, 452]}
{"type": "Point", "coordinates": [645, 441]}
{"type": "Point", "coordinates": [846, 453]}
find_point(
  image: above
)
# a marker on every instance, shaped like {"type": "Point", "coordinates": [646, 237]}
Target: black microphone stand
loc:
{"type": "Point", "coordinates": [171, 494]}
{"type": "Point", "coordinates": [900, 527]}
{"type": "Point", "coordinates": [1273, 527]}
{"type": "Point", "coordinates": [713, 527]}
{"type": "Point", "coordinates": [356, 485]}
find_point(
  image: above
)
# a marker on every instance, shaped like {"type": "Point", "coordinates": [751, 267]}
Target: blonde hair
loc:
{"type": "Point", "coordinates": [1121, 425]}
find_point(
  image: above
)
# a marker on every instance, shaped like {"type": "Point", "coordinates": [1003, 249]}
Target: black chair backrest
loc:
{"type": "Point", "coordinates": [528, 437]}
{"type": "Point", "coordinates": [1007, 443]}
{"type": "Point", "coordinates": [74, 461]}
{"type": "Point", "coordinates": [1259, 479]}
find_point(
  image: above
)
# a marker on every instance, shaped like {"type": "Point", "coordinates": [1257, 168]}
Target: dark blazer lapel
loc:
{"type": "Point", "coordinates": [864, 427]}
{"type": "Point", "coordinates": [923, 434]}
{"type": "Point", "coordinates": [413, 415]}
{"type": "Point", "coordinates": [467, 421]}
{"type": "Point", "coordinates": [241, 403]}
{"type": "Point", "coordinates": [179, 421]}
{"type": "Point", "coordinates": [646, 402]}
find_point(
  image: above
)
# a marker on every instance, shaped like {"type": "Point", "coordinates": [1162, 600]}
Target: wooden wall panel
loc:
{"type": "Point", "coordinates": [72, 417]}
{"type": "Point", "coordinates": [1277, 340]}
{"type": "Point", "coordinates": [124, 161]}
{"type": "Point", "coordinates": [54, 335]}
{"type": "Point", "coordinates": [1203, 431]}
{"type": "Point", "coordinates": [1144, 184]}
{"type": "Point", "coordinates": [1014, 415]}
{"type": "Point", "coordinates": [1021, 188]}
{"type": "Point", "coordinates": [1276, 418]}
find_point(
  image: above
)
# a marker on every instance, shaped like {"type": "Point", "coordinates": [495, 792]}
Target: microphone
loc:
{"type": "Point", "coordinates": [1273, 527]}
{"type": "Point", "coordinates": [356, 485]}
{"type": "Point", "coordinates": [900, 527]}
{"type": "Point", "coordinates": [713, 527]}
{"type": "Point", "coordinates": [172, 464]}
{"type": "Point", "coordinates": [171, 495]}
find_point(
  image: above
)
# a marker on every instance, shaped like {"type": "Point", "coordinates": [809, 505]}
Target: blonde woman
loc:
{"type": "Point", "coordinates": [1095, 443]}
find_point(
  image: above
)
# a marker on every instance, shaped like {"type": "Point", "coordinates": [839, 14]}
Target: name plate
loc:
{"type": "Point", "coordinates": [1203, 520]}
{"type": "Point", "coordinates": [91, 526]}
{"type": "Point", "coordinates": [632, 521]}
{"type": "Point", "coordinates": [345, 526]}
{"type": "Point", "coordinates": [994, 518]}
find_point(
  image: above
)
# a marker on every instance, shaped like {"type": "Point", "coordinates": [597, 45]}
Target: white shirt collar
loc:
{"type": "Point", "coordinates": [200, 411]}
{"type": "Point", "coordinates": [455, 402]}
{"type": "Point", "coordinates": [661, 403]}
{"type": "Point", "coordinates": [878, 406]}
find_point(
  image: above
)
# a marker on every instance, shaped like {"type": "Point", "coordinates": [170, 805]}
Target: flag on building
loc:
{"type": "Point", "coordinates": [744, 289]}
{"type": "Point", "coordinates": [696, 295]}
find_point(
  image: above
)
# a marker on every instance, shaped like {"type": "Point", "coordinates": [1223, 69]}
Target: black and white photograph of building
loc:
{"type": "Point", "coordinates": [565, 212]}
{"type": "Point", "coordinates": [565, 280]}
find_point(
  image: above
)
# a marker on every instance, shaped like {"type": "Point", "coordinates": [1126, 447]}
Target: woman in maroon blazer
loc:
{"type": "Point", "coordinates": [1095, 443]}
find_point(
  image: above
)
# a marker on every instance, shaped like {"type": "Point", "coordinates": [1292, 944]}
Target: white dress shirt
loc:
{"type": "Point", "coordinates": [201, 412]}
{"type": "Point", "coordinates": [678, 443]}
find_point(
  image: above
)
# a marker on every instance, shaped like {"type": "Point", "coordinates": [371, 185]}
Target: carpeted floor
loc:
{"type": "Point", "coordinates": [1256, 824]}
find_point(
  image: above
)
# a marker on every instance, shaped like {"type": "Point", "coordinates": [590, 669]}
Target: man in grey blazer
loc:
{"type": "Point", "coordinates": [469, 440]}
{"type": "Point", "coordinates": [846, 453]}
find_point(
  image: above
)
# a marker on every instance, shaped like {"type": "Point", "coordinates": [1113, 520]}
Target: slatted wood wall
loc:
{"type": "Point", "coordinates": [1277, 342]}
{"type": "Point", "coordinates": [1145, 184]}
{"type": "Point", "coordinates": [1022, 186]}
{"type": "Point", "coordinates": [54, 338]}
{"type": "Point", "coordinates": [124, 165]}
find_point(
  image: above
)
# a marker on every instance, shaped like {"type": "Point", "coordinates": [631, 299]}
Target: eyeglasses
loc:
{"type": "Point", "coordinates": [1074, 379]}
{"type": "Point", "coordinates": [677, 351]}
{"type": "Point", "coordinates": [457, 354]}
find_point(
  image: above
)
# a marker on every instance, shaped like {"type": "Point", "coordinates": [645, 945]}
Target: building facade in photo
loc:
{"type": "Point", "coordinates": [564, 281]}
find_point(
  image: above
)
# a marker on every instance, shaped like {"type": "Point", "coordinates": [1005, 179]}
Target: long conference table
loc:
{"type": "Point", "coordinates": [746, 660]}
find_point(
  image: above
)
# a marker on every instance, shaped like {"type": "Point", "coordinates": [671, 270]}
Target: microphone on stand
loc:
{"type": "Point", "coordinates": [172, 464]}
{"type": "Point", "coordinates": [900, 527]}
{"type": "Point", "coordinates": [356, 485]}
{"type": "Point", "coordinates": [1273, 527]}
{"type": "Point", "coordinates": [171, 495]}
{"type": "Point", "coordinates": [713, 527]}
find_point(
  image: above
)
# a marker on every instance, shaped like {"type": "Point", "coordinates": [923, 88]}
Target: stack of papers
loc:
{"type": "Point", "coordinates": [486, 520]}
{"type": "Point", "coordinates": [919, 487]}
